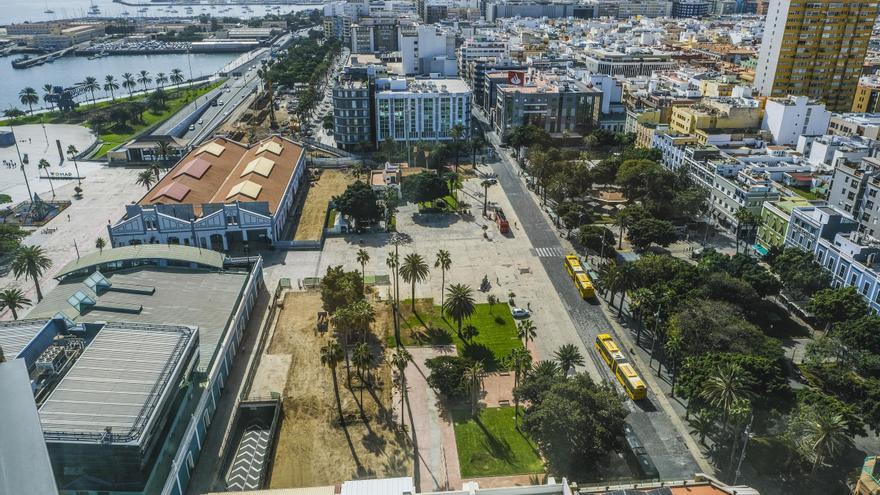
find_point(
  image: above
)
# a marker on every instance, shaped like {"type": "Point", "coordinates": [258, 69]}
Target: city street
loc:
{"type": "Point", "coordinates": [663, 441]}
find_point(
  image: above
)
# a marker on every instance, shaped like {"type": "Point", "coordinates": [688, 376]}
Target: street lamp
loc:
{"type": "Point", "coordinates": [21, 162]}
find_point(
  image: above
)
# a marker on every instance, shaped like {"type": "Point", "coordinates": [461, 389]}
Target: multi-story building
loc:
{"type": "Point", "coordinates": [421, 46]}
{"type": "Point", "coordinates": [221, 194]}
{"type": "Point", "coordinates": [642, 8]}
{"type": "Point", "coordinates": [867, 99]}
{"type": "Point", "coordinates": [690, 8]}
{"type": "Point", "coordinates": [497, 9]}
{"type": "Point", "coordinates": [774, 220]}
{"type": "Point", "coordinates": [338, 17]}
{"type": "Point", "coordinates": [815, 48]}
{"type": "Point", "coordinates": [866, 125]}
{"type": "Point", "coordinates": [810, 223]}
{"type": "Point", "coordinates": [421, 109]}
{"type": "Point", "coordinates": [631, 63]}
{"type": "Point", "coordinates": [721, 113]}
{"type": "Point", "coordinates": [480, 48]}
{"type": "Point", "coordinates": [558, 104]}
{"type": "Point", "coordinates": [855, 190]}
{"type": "Point", "coordinates": [477, 77]}
{"type": "Point", "coordinates": [791, 117]}
{"type": "Point", "coordinates": [375, 34]}
{"type": "Point", "coordinates": [353, 114]}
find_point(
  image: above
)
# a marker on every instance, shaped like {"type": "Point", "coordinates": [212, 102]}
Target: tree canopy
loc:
{"type": "Point", "coordinates": [359, 202]}
{"type": "Point", "coordinates": [340, 288]}
{"type": "Point", "coordinates": [424, 187]}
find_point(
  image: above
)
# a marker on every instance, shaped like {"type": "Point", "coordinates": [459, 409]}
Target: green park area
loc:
{"type": "Point", "coordinates": [495, 331]}
{"type": "Point", "coordinates": [490, 445]}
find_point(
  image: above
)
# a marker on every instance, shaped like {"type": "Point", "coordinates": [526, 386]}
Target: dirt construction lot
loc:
{"type": "Point", "coordinates": [311, 221]}
{"type": "Point", "coordinates": [313, 448]}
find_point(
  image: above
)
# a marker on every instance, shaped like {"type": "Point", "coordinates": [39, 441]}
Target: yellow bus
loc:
{"type": "Point", "coordinates": [631, 381]}
{"type": "Point", "coordinates": [609, 351]}
{"type": "Point", "coordinates": [579, 276]}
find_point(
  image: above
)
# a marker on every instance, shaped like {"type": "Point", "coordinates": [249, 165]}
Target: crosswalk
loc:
{"type": "Point", "coordinates": [548, 252]}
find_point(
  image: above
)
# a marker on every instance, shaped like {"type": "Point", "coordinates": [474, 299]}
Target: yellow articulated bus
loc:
{"type": "Point", "coordinates": [622, 369]}
{"type": "Point", "coordinates": [579, 276]}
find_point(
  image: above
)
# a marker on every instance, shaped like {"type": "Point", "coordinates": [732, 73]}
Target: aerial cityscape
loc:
{"type": "Point", "coordinates": [450, 247]}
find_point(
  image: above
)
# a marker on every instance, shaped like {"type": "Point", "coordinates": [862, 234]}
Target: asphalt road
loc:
{"type": "Point", "coordinates": [654, 428]}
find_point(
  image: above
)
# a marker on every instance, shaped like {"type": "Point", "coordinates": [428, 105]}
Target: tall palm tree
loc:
{"type": "Point", "coordinates": [44, 164]}
{"type": "Point", "coordinates": [413, 270]}
{"type": "Point", "coordinates": [145, 179]}
{"type": "Point", "coordinates": [331, 356]}
{"type": "Point", "coordinates": [161, 79]}
{"type": "Point", "coordinates": [393, 264]}
{"type": "Point", "coordinates": [176, 77]}
{"type": "Point", "coordinates": [443, 262]}
{"type": "Point", "coordinates": [486, 183]}
{"type": "Point", "coordinates": [459, 304]}
{"type": "Point", "coordinates": [526, 331]}
{"type": "Point", "coordinates": [28, 96]}
{"type": "Point", "coordinates": [824, 433]}
{"type": "Point", "coordinates": [362, 359]}
{"type": "Point", "coordinates": [473, 383]}
{"type": "Point", "coordinates": [110, 86]}
{"type": "Point", "coordinates": [724, 387]}
{"type": "Point", "coordinates": [100, 244]}
{"type": "Point", "coordinates": [702, 424]}
{"type": "Point", "coordinates": [91, 85]}
{"type": "Point", "coordinates": [616, 278]}
{"type": "Point", "coordinates": [744, 218]}
{"type": "Point", "coordinates": [48, 91]}
{"type": "Point", "coordinates": [520, 361]}
{"type": "Point", "coordinates": [71, 153]}
{"type": "Point", "coordinates": [128, 83]}
{"type": "Point", "coordinates": [144, 78]}
{"type": "Point", "coordinates": [400, 360]}
{"type": "Point", "coordinates": [363, 257]}
{"type": "Point", "coordinates": [13, 299]}
{"type": "Point", "coordinates": [568, 356]}
{"type": "Point", "coordinates": [477, 143]}
{"type": "Point", "coordinates": [31, 262]}
{"type": "Point", "coordinates": [456, 133]}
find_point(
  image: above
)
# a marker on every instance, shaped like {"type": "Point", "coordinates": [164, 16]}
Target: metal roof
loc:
{"type": "Point", "coordinates": [205, 257]}
{"type": "Point", "coordinates": [118, 382]}
{"type": "Point", "coordinates": [15, 335]}
{"type": "Point", "coordinates": [24, 460]}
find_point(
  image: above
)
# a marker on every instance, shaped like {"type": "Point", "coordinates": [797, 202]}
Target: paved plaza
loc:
{"type": "Point", "coordinates": [39, 142]}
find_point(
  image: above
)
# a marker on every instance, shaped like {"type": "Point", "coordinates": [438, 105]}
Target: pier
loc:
{"type": "Point", "coordinates": [24, 63]}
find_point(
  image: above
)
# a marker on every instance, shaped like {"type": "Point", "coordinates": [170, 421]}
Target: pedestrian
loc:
{"type": "Point", "coordinates": [68, 217]}
{"type": "Point", "coordinates": [529, 306]}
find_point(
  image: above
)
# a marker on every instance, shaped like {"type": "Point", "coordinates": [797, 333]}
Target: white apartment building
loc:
{"type": "Point", "coordinates": [425, 49]}
{"type": "Point", "coordinates": [421, 109]}
{"type": "Point", "coordinates": [631, 62]}
{"type": "Point", "coordinates": [476, 48]}
{"type": "Point", "coordinates": [793, 116]}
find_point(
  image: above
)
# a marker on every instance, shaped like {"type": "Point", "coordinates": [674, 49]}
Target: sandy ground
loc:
{"type": "Point", "coordinates": [313, 449]}
{"type": "Point", "coordinates": [311, 222]}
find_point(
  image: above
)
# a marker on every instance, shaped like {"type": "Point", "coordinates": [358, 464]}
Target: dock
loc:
{"type": "Point", "coordinates": [42, 59]}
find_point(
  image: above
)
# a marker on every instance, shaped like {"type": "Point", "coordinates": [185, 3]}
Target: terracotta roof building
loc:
{"type": "Point", "coordinates": [221, 194]}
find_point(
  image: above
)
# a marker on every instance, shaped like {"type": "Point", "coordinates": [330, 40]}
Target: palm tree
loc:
{"type": "Point", "coordinates": [486, 183]}
{"type": "Point", "coordinates": [400, 360]}
{"type": "Point", "coordinates": [459, 304]}
{"type": "Point", "coordinates": [526, 331]}
{"type": "Point", "coordinates": [744, 217]}
{"type": "Point", "coordinates": [616, 278]}
{"type": "Point", "coordinates": [100, 244]}
{"type": "Point", "coordinates": [176, 77]}
{"type": "Point", "coordinates": [110, 85]}
{"type": "Point", "coordinates": [128, 82]}
{"type": "Point", "coordinates": [456, 133]}
{"type": "Point", "coordinates": [44, 164]}
{"type": "Point", "coordinates": [702, 424]}
{"type": "Point", "coordinates": [144, 78]}
{"type": "Point", "coordinates": [91, 85]}
{"type": "Point", "coordinates": [145, 179]}
{"type": "Point", "coordinates": [362, 359]}
{"type": "Point", "coordinates": [568, 356]}
{"type": "Point", "coordinates": [443, 262]}
{"type": "Point", "coordinates": [14, 300]}
{"type": "Point", "coordinates": [161, 79]}
{"type": "Point", "coordinates": [520, 361]}
{"type": "Point", "coordinates": [473, 383]}
{"type": "Point", "coordinates": [477, 143]}
{"type": "Point", "coordinates": [824, 434]}
{"type": "Point", "coordinates": [71, 153]}
{"type": "Point", "coordinates": [414, 269]}
{"type": "Point", "coordinates": [363, 257]}
{"type": "Point", "coordinates": [31, 262]}
{"type": "Point", "coordinates": [28, 96]}
{"type": "Point", "coordinates": [48, 91]}
{"type": "Point", "coordinates": [724, 387]}
{"type": "Point", "coordinates": [331, 356]}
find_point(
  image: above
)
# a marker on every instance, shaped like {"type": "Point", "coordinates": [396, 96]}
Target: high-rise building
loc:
{"type": "Point", "coordinates": [421, 109]}
{"type": "Point", "coordinates": [815, 48]}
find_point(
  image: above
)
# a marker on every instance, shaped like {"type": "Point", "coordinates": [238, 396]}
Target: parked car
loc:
{"type": "Point", "coordinates": [520, 312]}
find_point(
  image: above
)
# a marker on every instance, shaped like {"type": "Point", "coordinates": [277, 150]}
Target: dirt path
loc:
{"type": "Point", "coordinates": [314, 212]}
{"type": "Point", "coordinates": [313, 448]}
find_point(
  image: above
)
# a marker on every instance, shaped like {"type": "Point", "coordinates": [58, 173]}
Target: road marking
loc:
{"type": "Point", "coordinates": [548, 252]}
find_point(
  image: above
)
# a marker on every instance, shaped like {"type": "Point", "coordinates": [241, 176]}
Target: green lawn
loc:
{"type": "Point", "coordinates": [427, 326]}
{"type": "Point", "coordinates": [490, 445]}
{"type": "Point", "coordinates": [806, 194]}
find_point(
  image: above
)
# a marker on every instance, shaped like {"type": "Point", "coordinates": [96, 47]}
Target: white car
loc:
{"type": "Point", "coordinates": [520, 312]}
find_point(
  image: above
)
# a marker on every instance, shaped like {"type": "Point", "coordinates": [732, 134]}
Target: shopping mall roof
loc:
{"type": "Point", "coordinates": [203, 258]}
{"type": "Point", "coordinates": [120, 380]}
